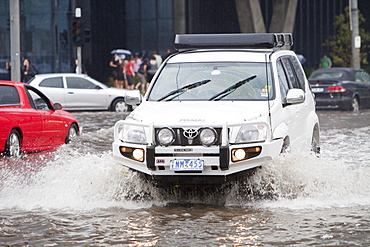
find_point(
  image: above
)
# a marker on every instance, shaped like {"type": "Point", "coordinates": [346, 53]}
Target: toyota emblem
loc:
{"type": "Point", "coordinates": [190, 133]}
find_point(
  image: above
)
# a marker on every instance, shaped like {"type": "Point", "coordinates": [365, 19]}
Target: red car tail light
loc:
{"type": "Point", "coordinates": [336, 89]}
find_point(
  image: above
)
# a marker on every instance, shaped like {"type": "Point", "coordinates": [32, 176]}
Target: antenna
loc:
{"type": "Point", "coordinates": [268, 93]}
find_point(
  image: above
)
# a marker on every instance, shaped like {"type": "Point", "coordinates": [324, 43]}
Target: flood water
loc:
{"type": "Point", "coordinates": [78, 195]}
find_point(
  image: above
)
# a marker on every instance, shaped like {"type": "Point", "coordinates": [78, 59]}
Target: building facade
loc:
{"type": "Point", "coordinates": [144, 26]}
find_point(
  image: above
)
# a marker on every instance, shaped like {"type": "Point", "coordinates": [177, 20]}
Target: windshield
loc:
{"type": "Point", "coordinates": [325, 75]}
{"type": "Point", "coordinates": [204, 81]}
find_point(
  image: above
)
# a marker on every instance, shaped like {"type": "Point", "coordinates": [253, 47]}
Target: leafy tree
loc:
{"type": "Point", "coordinates": [340, 44]}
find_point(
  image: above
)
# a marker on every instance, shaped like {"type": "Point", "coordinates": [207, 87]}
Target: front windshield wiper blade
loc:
{"type": "Point", "coordinates": [231, 89]}
{"type": "Point", "coordinates": [184, 89]}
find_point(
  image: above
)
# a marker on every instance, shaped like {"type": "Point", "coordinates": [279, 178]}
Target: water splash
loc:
{"type": "Point", "coordinates": [303, 181]}
{"type": "Point", "coordinates": [70, 179]}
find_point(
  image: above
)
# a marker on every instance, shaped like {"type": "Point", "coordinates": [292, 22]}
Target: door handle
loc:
{"type": "Point", "coordinates": [70, 92]}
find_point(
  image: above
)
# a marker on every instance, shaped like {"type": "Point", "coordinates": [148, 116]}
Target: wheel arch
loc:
{"type": "Point", "coordinates": [112, 103]}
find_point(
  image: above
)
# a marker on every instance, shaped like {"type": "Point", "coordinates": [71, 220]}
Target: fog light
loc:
{"type": "Point", "coordinates": [138, 154]}
{"type": "Point", "coordinates": [133, 153]}
{"type": "Point", "coordinates": [165, 136]}
{"type": "Point", "coordinates": [238, 154]}
{"type": "Point", "coordinates": [208, 136]}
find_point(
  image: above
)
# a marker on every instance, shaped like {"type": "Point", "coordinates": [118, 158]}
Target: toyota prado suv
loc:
{"type": "Point", "coordinates": [221, 106]}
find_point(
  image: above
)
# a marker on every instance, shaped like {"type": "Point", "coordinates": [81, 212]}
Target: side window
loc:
{"type": "Point", "coordinates": [9, 95]}
{"type": "Point", "coordinates": [55, 82]}
{"type": "Point", "coordinates": [38, 101]}
{"type": "Point", "coordinates": [299, 72]}
{"type": "Point", "coordinates": [362, 76]}
{"type": "Point", "coordinates": [79, 83]}
{"type": "Point", "coordinates": [366, 77]}
{"type": "Point", "coordinates": [283, 81]}
{"type": "Point", "coordinates": [291, 73]}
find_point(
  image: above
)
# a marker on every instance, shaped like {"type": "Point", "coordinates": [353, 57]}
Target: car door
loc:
{"type": "Point", "coordinates": [363, 81]}
{"type": "Point", "coordinates": [53, 88]}
{"type": "Point", "coordinates": [53, 128]}
{"type": "Point", "coordinates": [294, 115]}
{"type": "Point", "coordinates": [83, 94]}
{"type": "Point", "coordinates": [17, 113]}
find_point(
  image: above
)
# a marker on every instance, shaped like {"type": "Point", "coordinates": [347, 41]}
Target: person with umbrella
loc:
{"type": "Point", "coordinates": [114, 65]}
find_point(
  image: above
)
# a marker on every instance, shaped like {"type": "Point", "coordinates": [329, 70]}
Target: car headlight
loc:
{"type": "Point", "coordinates": [133, 134]}
{"type": "Point", "coordinates": [252, 133]}
{"type": "Point", "coordinates": [208, 136]}
{"type": "Point", "coordinates": [165, 136]}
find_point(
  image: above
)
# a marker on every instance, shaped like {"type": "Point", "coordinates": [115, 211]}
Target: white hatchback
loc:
{"type": "Point", "coordinates": [76, 92]}
{"type": "Point", "coordinates": [221, 106]}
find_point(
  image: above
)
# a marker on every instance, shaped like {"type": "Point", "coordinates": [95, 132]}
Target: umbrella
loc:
{"type": "Point", "coordinates": [301, 58]}
{"type": "Point", "coordinates": [122, 53]}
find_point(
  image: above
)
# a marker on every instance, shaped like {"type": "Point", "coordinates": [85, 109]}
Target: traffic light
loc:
{"type": "Point", "coordinates": [87, 34]}
{"type": "Point", "coordinates": [78, 38]}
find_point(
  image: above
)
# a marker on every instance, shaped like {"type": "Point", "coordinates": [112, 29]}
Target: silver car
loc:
{"type": "Point", "coordinates": [78, 92]}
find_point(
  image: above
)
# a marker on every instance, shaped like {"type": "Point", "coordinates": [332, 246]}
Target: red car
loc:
{"type": "Point", "coordinates": [30, 122]}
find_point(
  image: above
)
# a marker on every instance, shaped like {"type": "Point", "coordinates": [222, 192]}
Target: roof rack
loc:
{"type": "Point", "coordinates": [237, 40]}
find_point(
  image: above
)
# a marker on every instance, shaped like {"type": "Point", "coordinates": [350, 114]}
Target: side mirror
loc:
{"type": "Point", "coordinates": [133, 97]}
{"type": "Point", "coordinates": [57, 106]}
{"type": "Point", "coordinates": [295, 96]}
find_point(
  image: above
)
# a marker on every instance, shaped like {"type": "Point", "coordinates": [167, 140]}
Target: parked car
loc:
{"type": "Point", "coordinates": [31, 122]}
{"type": "Point", "coordinates": [341, 88]}
{"type": "Point", "coordinates": [220, 107]}
{"type": "Point", "coordinates": [4, 73]}
{"type": "Point", "coordinates": [80, 92]}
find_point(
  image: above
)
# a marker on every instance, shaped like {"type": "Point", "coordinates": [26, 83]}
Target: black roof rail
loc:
{"type": "Point", "coordinates": [235, 40]}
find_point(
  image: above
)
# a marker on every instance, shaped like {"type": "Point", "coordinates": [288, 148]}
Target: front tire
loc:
{"type": "Point", "coordinates": [119, 105]}
{"type": "Point", "coordinates": [315, 142]}
{"type": "Point", "coordinates": [72, 133]}
{"type": "Point", "coordinates": [13, 144]}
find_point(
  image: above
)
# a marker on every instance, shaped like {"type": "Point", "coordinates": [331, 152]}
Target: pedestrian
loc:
{"type": "Point", "coordinates": [168, 53]}
{"type": "Point", "coordinates": [83, 70]}
{"type": "Point", "coordinates": [137, 63]}
{"type": "Point", "coordinates": [28, 71]}
{"type": "Point", "coordinates": [8, 67]}
{"type": "Point", "coordinates": [141, 74]}
{"type": "Point", "coordinates": [325, 62]}
{"type": "Point", "coordinates": [114, 64]}
{"type": "Point", "coordinates": [120, 72]}
{"type": "Point", "coordinates": [158, 58]}
{"type": "Point", "coordinates": [152, 67]}
{"type": "Point", "coordinates": [130, 73]}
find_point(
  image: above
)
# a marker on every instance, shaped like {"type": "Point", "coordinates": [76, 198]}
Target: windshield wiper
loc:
{"type": "Point", "coordinates": [231, 89]}
{"type": "Point", "coordinates": [184, 89]}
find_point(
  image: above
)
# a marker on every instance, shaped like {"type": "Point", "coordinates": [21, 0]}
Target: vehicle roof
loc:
{"type": "Point", "coordinates": [12, 83]}
{"type": "Point", "coordinates": [347, 73]}
{"type": "Point", "coordinates": [60, 74]}
{"type": "Point", "coordinates": [222, 55]}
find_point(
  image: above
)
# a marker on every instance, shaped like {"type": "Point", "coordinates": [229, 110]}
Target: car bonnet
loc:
{"type": "Point", "coordinates": [199, 113]}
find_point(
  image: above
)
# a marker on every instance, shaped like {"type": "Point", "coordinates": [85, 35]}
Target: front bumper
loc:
{"type": "Point", "coordinates": [157, 160]}
{"type": "Point", "coordinates": [217, 159]}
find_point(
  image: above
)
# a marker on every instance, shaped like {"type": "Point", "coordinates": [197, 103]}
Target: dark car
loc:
{"type": "Point", "coordinates": [341, 88]}
{"type": "Point", "coordinates": [30, 122]}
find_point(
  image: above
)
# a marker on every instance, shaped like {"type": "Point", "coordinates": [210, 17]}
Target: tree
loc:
{"type": "Point", "coordinates": [340, 44]}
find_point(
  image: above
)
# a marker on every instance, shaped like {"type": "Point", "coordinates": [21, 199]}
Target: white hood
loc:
{"type": "Point", "coordinates": [199, 112]}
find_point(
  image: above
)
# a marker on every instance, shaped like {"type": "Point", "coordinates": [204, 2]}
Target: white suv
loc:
{"type": "Point", "coordinates": [221, 106]}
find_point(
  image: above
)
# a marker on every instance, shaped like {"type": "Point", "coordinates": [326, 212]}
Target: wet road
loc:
{"type": "Point", "coordinates": [78, 195]}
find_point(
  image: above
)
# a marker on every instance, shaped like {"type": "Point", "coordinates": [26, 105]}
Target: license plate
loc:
{"type": "Point", "coordinates": [318, 90]}
{"type": "Point", "coordinates": [186, 165]}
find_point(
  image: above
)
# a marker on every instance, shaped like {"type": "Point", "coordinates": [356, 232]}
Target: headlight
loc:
{"type": "Point", "coordinates": [133, 134]}
{"type": "Point", "coordinates": [252, 133]}
{"type": "Point", "coordinates": [208, 136]}
{"type": "Point", "coordinates": [165, 136]}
